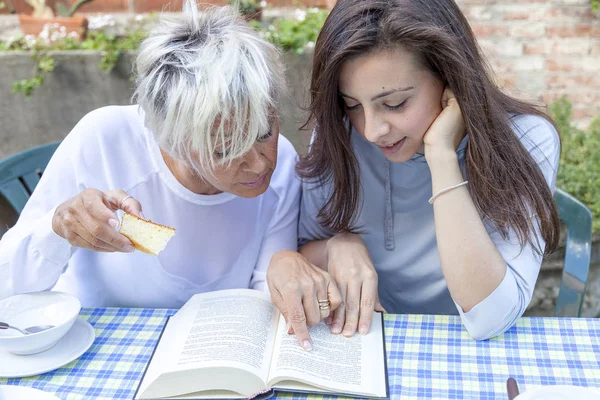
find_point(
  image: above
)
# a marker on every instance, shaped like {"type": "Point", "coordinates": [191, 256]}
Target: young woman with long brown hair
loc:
{"type": "Point", "coordinates": [426, 187]}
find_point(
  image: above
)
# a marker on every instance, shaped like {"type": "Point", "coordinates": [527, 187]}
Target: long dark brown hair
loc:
{"type": "Point", "coordinates": [505, 182]}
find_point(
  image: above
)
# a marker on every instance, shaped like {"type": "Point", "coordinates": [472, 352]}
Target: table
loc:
{"type": "Point", "coordinates": [429, 357]}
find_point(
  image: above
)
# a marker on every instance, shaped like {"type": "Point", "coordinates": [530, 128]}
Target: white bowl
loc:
{"type": "Point", "coordinates": [42, 308]}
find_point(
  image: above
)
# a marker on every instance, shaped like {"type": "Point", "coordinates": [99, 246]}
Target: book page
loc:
{"type": "Point", "coordinates": [215, 332]}
{"type": "Point", "coordinates": [235, 331]}
{"type": "Point", "coordinates": [336, 363]}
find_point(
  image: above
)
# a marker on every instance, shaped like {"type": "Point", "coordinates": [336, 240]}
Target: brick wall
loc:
{"type": "Point", "coordinates": [542, 49]}
{"type": "Point", "coordinates": [539, 49]}
{"type": "Point", "coordinates": [141, 6]}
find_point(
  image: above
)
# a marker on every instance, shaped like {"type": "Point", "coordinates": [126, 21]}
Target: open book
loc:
{"type": "Point", "coordinates": [234, 344]}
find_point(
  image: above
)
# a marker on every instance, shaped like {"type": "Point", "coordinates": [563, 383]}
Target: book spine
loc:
{"type": "Point", "coordinates": [265, 394]}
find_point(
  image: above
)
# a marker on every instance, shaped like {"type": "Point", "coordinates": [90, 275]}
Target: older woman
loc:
{"type": "Point", "coordinates": [198, 153]}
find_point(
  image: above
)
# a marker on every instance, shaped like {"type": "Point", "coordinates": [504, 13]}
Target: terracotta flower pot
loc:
{"type": "Point", "coordinates": [33, 26]}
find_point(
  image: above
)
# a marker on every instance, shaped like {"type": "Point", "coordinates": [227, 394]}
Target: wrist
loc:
{"type": "Point", "coordinates": [332, 244]}
{"type": "Point", "coordinates": [442, 161]}
{"type": "Point", "coordinates": [284, 254]}
{"type": "Point", "coordinates": [338, 239]}
{"type": "Point", "coordinates": [55, 225]}
{"type": "Point", "coordinates": [445, 171]}
{"type": "Point", "coordinates": [329, 249]}
{"type": "Point", "coordinates": [440, 155]}
{"type": "Point", "coordinates": [341, 241]}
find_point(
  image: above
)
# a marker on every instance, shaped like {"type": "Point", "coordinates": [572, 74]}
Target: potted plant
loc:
{"type": "Point", "coordinates": [250, 9]}
{"type": "Point", "coordinates": [64, 16]}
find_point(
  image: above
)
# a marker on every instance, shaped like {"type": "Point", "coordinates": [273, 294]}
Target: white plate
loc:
{"type": "Point", "coordinates": [560, 392]}
{"type": "Point", "coordinates": [8, 392]}
{"type": "Point", "coordinates": [70, 347]}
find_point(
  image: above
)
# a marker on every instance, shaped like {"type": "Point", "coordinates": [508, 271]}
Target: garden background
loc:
{"type": "Point", "coordinates": [545, 51]}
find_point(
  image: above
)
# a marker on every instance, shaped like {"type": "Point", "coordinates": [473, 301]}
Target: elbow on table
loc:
{"type": "Point", "coordinates": [480, 334]}
{"type": "Point", "coordinates": [490, 328]}
{"type": "Point", "coordinates": [485, 333]}
{"type": "Point", "coordinates": [498, 312]}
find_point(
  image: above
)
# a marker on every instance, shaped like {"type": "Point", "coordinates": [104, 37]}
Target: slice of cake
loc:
{"type": "Point", "coordinates": [145, 235]}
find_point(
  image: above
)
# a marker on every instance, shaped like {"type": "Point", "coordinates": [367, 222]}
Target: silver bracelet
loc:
{"type": "Point", "coordinates": [435, 196]}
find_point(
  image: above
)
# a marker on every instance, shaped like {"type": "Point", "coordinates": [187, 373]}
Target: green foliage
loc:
{"type": "Point", "coordinates": [44, 64]}
{"type": "Point", "coordinates": [295, 34]}
{"type": "Point", "coordinates": [579, 172]}
{"type": "Point", "coordinates": [42, 61]}
{"type": "Point", "coordinates": [110, 45]}
{"type": "Point", "coordinates": [67, 9]}
{"type": "Point", "coordinates": [246, 7]}
{"type": "Point", "coordinates": [595, 5]}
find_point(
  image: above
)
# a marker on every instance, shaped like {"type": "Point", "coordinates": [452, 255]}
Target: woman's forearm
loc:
{"type": "Point", "coordinates": [471, 263]}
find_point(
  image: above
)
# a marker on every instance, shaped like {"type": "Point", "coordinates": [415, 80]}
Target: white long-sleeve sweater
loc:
{"type": "Point", "coordinates": [222, 241]}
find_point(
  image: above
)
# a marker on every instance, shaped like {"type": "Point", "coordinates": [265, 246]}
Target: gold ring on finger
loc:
{"type": "Point", "coordinates": [324, 304]}
{"type": "Point", "coordinates": [123, 201]}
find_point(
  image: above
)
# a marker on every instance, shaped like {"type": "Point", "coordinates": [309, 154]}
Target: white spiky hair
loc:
{"type": "Point", "coordinates": [207, 81]}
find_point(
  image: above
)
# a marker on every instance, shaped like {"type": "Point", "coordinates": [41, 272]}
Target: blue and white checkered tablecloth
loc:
{"type": "Point", "coordinates": [429, 357]}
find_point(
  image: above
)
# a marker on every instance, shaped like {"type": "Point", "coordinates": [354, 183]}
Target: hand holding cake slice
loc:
{"type": "Point", "coordinates": [145, 235]}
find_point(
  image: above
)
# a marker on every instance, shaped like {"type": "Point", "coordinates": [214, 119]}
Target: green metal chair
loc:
{"type": "Point", "coordinates": [578, 219]}
{"type": "Point", "coordinates": [20, 174]}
